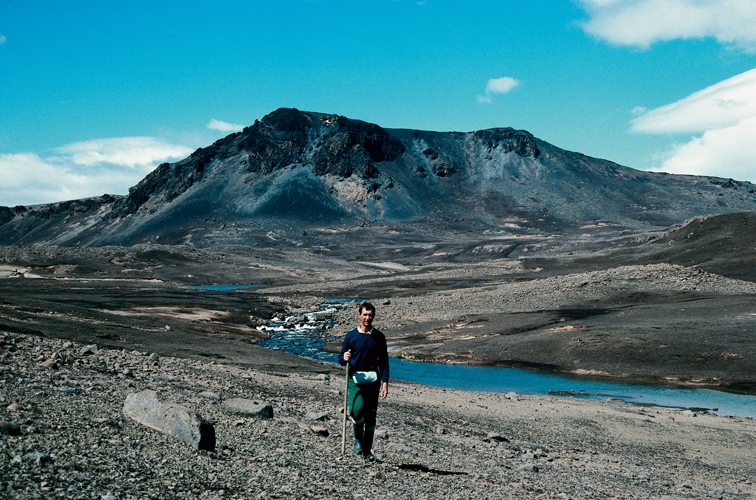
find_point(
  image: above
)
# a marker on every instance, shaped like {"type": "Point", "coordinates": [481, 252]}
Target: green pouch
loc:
{"type": "Point", "coordinates": [365, 377]}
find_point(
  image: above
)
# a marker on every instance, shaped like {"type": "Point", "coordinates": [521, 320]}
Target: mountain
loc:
{"type": "Point", "coordinates": [296, 172]}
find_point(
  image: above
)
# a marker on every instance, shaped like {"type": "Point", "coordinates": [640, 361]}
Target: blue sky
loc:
{"type": "Point", "coordinates": [94, 95]}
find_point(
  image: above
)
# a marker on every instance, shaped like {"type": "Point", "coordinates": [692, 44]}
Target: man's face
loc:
{"type": "Point", "coordinates": [366, 319]}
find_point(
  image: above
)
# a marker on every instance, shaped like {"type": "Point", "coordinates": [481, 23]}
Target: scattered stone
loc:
{"type": "Point", "coordinates": [317, 415]}
{"type": "Point", "coordinates": [88, 350]}
{"type": "Point", "coordinates": [169, 418]}
{"type": "Point", "coordinates": [38, 458]}
{"type": "Point", "coordinates": [9, 428]}
{"type": "Point", "coordinates": [249, 407]}
{"type": "Point", "coordinates": [402, 448]}
{"type": "Point", "coordinates": [495, 437]}
{"type": "Point", "coordinates": [528, 468]}
{"type": "Point", "coordinates": [15, 407]}
{"type": "Point", "coordinates": [317, 429]}
{"type": "Point", "coordinates": [209, 395]}
{"type": "Point", "coordinates": [50, 363]}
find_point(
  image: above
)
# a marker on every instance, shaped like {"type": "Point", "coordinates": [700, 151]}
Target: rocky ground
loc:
{"type": "Point", "coordinates": [64, 435]}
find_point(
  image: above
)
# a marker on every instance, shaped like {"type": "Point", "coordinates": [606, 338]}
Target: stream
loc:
{"type": "Point", "coordinates": [307, 337]}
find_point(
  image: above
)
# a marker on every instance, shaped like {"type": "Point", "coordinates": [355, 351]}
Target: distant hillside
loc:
{"type": "Point", "coordinates": [300, 171]}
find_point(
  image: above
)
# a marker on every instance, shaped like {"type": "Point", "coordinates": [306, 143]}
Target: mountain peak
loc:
{"type": "Point", "coordinates": [295, 167]}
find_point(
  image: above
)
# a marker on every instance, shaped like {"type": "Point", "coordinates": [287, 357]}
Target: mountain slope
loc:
{"type": "Point", "coordinates": [309, 170]}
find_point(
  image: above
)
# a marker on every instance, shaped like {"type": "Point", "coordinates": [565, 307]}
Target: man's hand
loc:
{"type": "Point", "coordinates": [347, 355]}
{"type": "Point", "coordinates": [384, 390]}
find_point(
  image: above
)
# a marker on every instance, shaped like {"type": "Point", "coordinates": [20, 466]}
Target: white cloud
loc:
{"type": "Point", "coordinates": [82, 169]}
{"type": "Point", "coordinates": [727, 152]}
{"type": "Point", "coordinates": [129, 152]}
{"type": "Point", "coordinates": [722, 105]}
{"type": "Point", "coordinates": [725, 116]}
{"type": "Point", "coordinates": [641, 23]}
{"type": "Point", "coordinates": [498, 86]}
{"type": "Point", "coordinates": [2, 39]}
{"type": "Point", "coordinates": [223, 126]}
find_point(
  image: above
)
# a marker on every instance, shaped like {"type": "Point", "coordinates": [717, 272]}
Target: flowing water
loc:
{"type": "Point", "coordinates": [307, 338]}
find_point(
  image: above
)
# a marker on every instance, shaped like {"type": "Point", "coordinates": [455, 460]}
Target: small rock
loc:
{"type": "Point", "coordinates": [9, 428]}
{"type": "Point", "coordinates": [440, 430]}
{"type": "Point", "coordinates": [88, 350]}
{"type": "Point", "coordinates": [209, 395]}
{"type": "Point", "coordinates": [50, 363]}
{"type": "Point", "coordinates": [492, 436]}
{"type": "Point", "coordinates": [15, 407]}
{"type": "Point", "coordinates": [38, 458]}
{"type": "Point", "coordinates": [317, 415]}
{"type": "Point", "coordinates": [258, 409]}
{"type": "Point", "coordinates": [317, 429]}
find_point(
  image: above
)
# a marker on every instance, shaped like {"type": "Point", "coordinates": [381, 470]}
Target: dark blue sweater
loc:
{"type": "Point", "coordinates": [369, 353]}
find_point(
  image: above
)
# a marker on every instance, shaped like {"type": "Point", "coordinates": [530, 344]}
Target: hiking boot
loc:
{"type": "Point", "coordinates": [367, 444]}
{"type": "Point", "coordinates": [358, 436]}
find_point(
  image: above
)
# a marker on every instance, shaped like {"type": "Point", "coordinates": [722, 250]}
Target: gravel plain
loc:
{"type": "Point", "coordinates": [64, 435]}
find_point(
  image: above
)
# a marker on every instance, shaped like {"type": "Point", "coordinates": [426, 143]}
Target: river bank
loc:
{"type": "Point", "coordinates": [68, 438]}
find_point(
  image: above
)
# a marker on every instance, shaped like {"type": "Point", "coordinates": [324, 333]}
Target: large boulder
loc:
{"type": "Point", "coordinates": [170, 418]}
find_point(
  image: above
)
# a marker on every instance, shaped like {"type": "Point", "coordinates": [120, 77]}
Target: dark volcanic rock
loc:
{"type": "Point", "coordinates": [293, 167]}
{"type": "Point", "coordinates": [520, 142]}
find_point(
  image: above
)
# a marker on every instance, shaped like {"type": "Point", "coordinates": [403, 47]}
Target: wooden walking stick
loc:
{"type": "Point", "coordinates": [346, 404]}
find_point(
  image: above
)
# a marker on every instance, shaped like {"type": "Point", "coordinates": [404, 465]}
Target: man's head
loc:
{"type": "Point", "coordinates": [365, 305]}
{"type": "Point", "coordinates": [366, 313]}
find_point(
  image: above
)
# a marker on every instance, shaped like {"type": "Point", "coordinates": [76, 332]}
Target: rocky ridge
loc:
{"type": "Point", "coordinates": [314, 170]}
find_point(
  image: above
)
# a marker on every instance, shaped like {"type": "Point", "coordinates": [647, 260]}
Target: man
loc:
{"type": "Point", "coordinates": [365, 350]}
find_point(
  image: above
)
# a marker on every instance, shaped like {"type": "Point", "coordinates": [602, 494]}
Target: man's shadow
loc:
{"type": "Point", "coordinates": [422, 468]}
